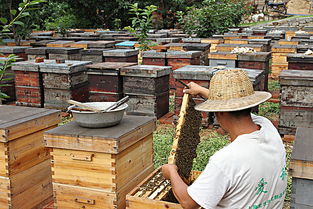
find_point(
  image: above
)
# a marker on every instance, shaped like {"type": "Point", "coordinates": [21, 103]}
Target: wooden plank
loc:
{"type": "Point", "coordinates": [139, 203]}
{"type": "Point", "coordinates": [302, 149]}
{"type": "Point", "coordinates": [302, 191]}
{"type": "Point", "coordinates": [34, 191]}
{"type": "Point", "coordinates": [221, 55]}
{"type": "Point", "coordinates": [87, 169]}
{"type": "Point", "coordinates": [4, 161]}
{"type": "Point", "coordinates": [16, 122]}
{"type": "Point", "coordinates": [73, 197]}
{"type": "Point", "coordinates": [301, 169]}
{"type": "Point", "coordinates": [26, 152]}
{"type": "Point", "coordinates": [4, 192]}
{"type": "Point", "coordinates": [106, 140]}
{"type": "Point", "coordinates": [133, 160]}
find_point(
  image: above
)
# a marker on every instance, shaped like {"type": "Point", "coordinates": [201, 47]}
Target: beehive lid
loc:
{"type": "Point", "coordinates": [70, 66]}
{"type": "Point", "coordinates": [296, 75]}
{"type": "Point", "coordinates": [152, 71]}
{"type": "Point", "coordinates": [120, 53]}
{"type": "Point", "coordinates": [300, 58]}
{"type": "Point", "coordinates": [92, 51]}
{"type": "Point", "coordinates": [107, 68]}
{"type": "Point", "coordinates": [168, 40]}
{"type": "Point", "coordinates": [13, 49]}
{"type": "Point", "coordinates": [200, 72]}
{"type": "Point", "coordinates": [106, 140]}
{"type": "Point", "coordinates": [102, 44]}
{"type": "Point", "coordinates": [63, 50]}
{"type": "Point", "coordinates": [127, 43]}
{"type": "Point", "coordinates": [181, 54]}
{"type": "Point", "coordinates": [30, 66]}
{"type": "Point", "coordinates": [259, 41]}
{"type": "Point", "coordinates": [37, 50]}
{"type": "Point", "coordinates": [153, 54]}
{"type": "Point", "coordinates": [16, 122]}
{"type": "Point", "coordinates": [255, 57]}
{"type": "Point", "coordinates": [302, 149]}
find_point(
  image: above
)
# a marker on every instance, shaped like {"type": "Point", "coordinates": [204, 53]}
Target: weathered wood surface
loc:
{"type": "Point", "coordinates": [17, 122]}
{"type": "Point", "coordinates": [297, 96]}
{"type": "Point", "coordinates": [105, 83]}
{"type": "Point", "coordinates": [223, 55]}
{"type": "Point", "coordinates": [120, 53]}
{"type": "Point", "coordinates": [106, 140]}
{"type": "Point", "coordinates": [70, 66]}
{"type": "Point", "coordinates": [152, 86]}
{"type": "Point", "coordinates": [150, 71]}
{"type": "Point", "coordinates": [293, 117]}
{"type": "Point", "coordinates": [222, 62]}
{"type": "Point", "coordinates": [150, 105]}
{"type": "Point", "coordinates": [64, 81]}
{"type": "Point", "coordinates": [60, 44]}
{"type": "Point", "coordinates": [301, 195]}
{"type": "Point", "coordinates": [303, 144]}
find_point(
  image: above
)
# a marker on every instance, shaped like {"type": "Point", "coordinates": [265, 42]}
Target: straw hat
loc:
{"type": "Point", "coordinates": [232, 90]}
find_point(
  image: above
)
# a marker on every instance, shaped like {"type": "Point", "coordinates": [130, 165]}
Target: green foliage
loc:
{"type": "Point", "coordinates": [269, 110]}
{"type": "Point", "coordinates": [162, 142]}
{"type": "Point", "coordinates": [273, 85]}
{"type": "Point", "coordinates": [5, 64]}
{"type": "Point", "coordinates": [214, 17]}
{"type": "Point", "coordinates": [141, 24]}
{"type": "Point", "coordinates": [207, 147]}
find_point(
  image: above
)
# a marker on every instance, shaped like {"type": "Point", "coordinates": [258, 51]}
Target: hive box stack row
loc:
{"type": "Point", "coordinates": [301, 170]}
{"type": "Point", "coordinates": [50, 84]}
{"type": "Point", "coordinates": [148, 89]}
{"type": "Point", "coordinates": [25, 172]}
{"type": "Point", "coordinates": [257, 60]}
{"type": "Point", "coordinates": [96, 168]}
{"type": "Point", "coordinates": [202, 76]}
{"type": "Point", "coordinates": [175, 59]}
{"type": "Point", "coordinates": [296, 109]}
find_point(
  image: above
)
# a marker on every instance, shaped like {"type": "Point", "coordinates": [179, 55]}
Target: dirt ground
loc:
{"type": "Point", "coordinates": [299, 7]}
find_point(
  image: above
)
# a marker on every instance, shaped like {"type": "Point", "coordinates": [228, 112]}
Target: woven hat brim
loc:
{"type": "Point", "coordinates": [234, 104]}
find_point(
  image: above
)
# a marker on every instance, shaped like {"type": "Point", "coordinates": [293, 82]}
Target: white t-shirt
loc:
{"type": "Point", "coordinates": [248, 173]}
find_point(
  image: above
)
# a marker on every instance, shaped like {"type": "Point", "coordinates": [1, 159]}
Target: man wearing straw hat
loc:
{"type": "Point", "coordinates": [250, 171]}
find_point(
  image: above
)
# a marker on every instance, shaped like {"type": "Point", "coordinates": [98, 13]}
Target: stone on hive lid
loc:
{"type": "Point", "coordinates": [151, 71]}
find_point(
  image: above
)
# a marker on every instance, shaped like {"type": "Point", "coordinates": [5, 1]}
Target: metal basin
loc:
{"type": "Point", "coordinates": [89, 119]}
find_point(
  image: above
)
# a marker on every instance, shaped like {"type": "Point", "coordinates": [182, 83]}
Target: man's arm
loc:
{"type": "Point", "coordinates": [179, 187]}
{"type": "Point", "coordinates": [195, 89]}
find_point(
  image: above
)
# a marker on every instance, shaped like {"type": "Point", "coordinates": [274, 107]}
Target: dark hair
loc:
{"type": "Point", "coordinates": [240, 113]}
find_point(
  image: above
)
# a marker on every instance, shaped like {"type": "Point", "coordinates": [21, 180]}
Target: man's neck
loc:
{"type": "Point", "coordinates": [243, 125]}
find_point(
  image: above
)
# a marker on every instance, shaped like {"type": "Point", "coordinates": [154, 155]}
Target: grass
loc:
{"type": "Point", "coordinates": [269, 110]}
{"type": "Point", "coordinates": [273, 85]}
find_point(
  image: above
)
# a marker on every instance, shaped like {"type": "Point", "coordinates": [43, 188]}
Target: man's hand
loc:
{"type": "Point", "coordinates": [195, 89]}
{"type": "Point", "coordinates": [168, 170]}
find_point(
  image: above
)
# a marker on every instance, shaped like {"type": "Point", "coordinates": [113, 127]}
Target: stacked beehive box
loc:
{"type": "Point", "coordinates": [64, 81]}
{"type": "Point", "coordinates": [300, 62]}
{"type": "Point", "coordinates": [33, 53]}
{"type": "Point", "coordinates": [301, 170]}
{"type": "Point", "coordinates": [226, 59]}
{"type": "Point", "coordinates": [213, 43]}
{"type": "Point", "coordinates": [17, 50]}
{"type": "Point", "coordinates": [96, 168]}
{"type": "Point", "coordinates": [279, 58]}
{"type": "Point", "coordinates": [93, 55]}
{"type": "Point", "coordinates": [105, 81]}
{"type": "Point", "coordinates": [154, 58]}
{"type": "Point", "coordinates": [121, 55]}
{"type": "Point", "coordinates": [148, 89]}
{"type": "Point", "coordinates": [259, 61]}
{"type": "Point", "coordinates": [25, 173]}
{"type": "Point", "coordinates": [64, 53]}
{"type": "Point", "coordinates": [28, 84]}
{"type": "Point", "coordinates": [296, 108]}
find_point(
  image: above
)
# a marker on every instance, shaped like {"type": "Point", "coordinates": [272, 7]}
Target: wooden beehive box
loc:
{"type": "Point", "coordinates": [105, 81]}
{"type": "Point", "coordinates": [94, 55]}
{"type": "Point", "coordinates": [64, 81]}
{"type": "Point", "coordinates": [65, 53]}
{"type": "Point", "coordinates": [296, 108]}
{"type": "Point", "coordinates": [300, 62]}
{"type": "Point", "coordinates": [17, 50]}
{"type": "Point", "coordinates": [301, 169]}
{"type": "Point", "coordinates": [151, 100]}
{"type": "Point", "coordinates": [156, 197]}
{"type": "Point", "coordinates": [96, 168]}
{"type": "Point", "coordinates": [60, 44]}
{"type": "Point", "coordinates": [28, 84]}
{"type": "Point", "coordinates": [25, 175]}
{"type": "Point", "coordinates": [33, 53]}
{"type": "Point", "coordinates": [153, 57]}
{"type": "Point", "coordinates": [121, 55]}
